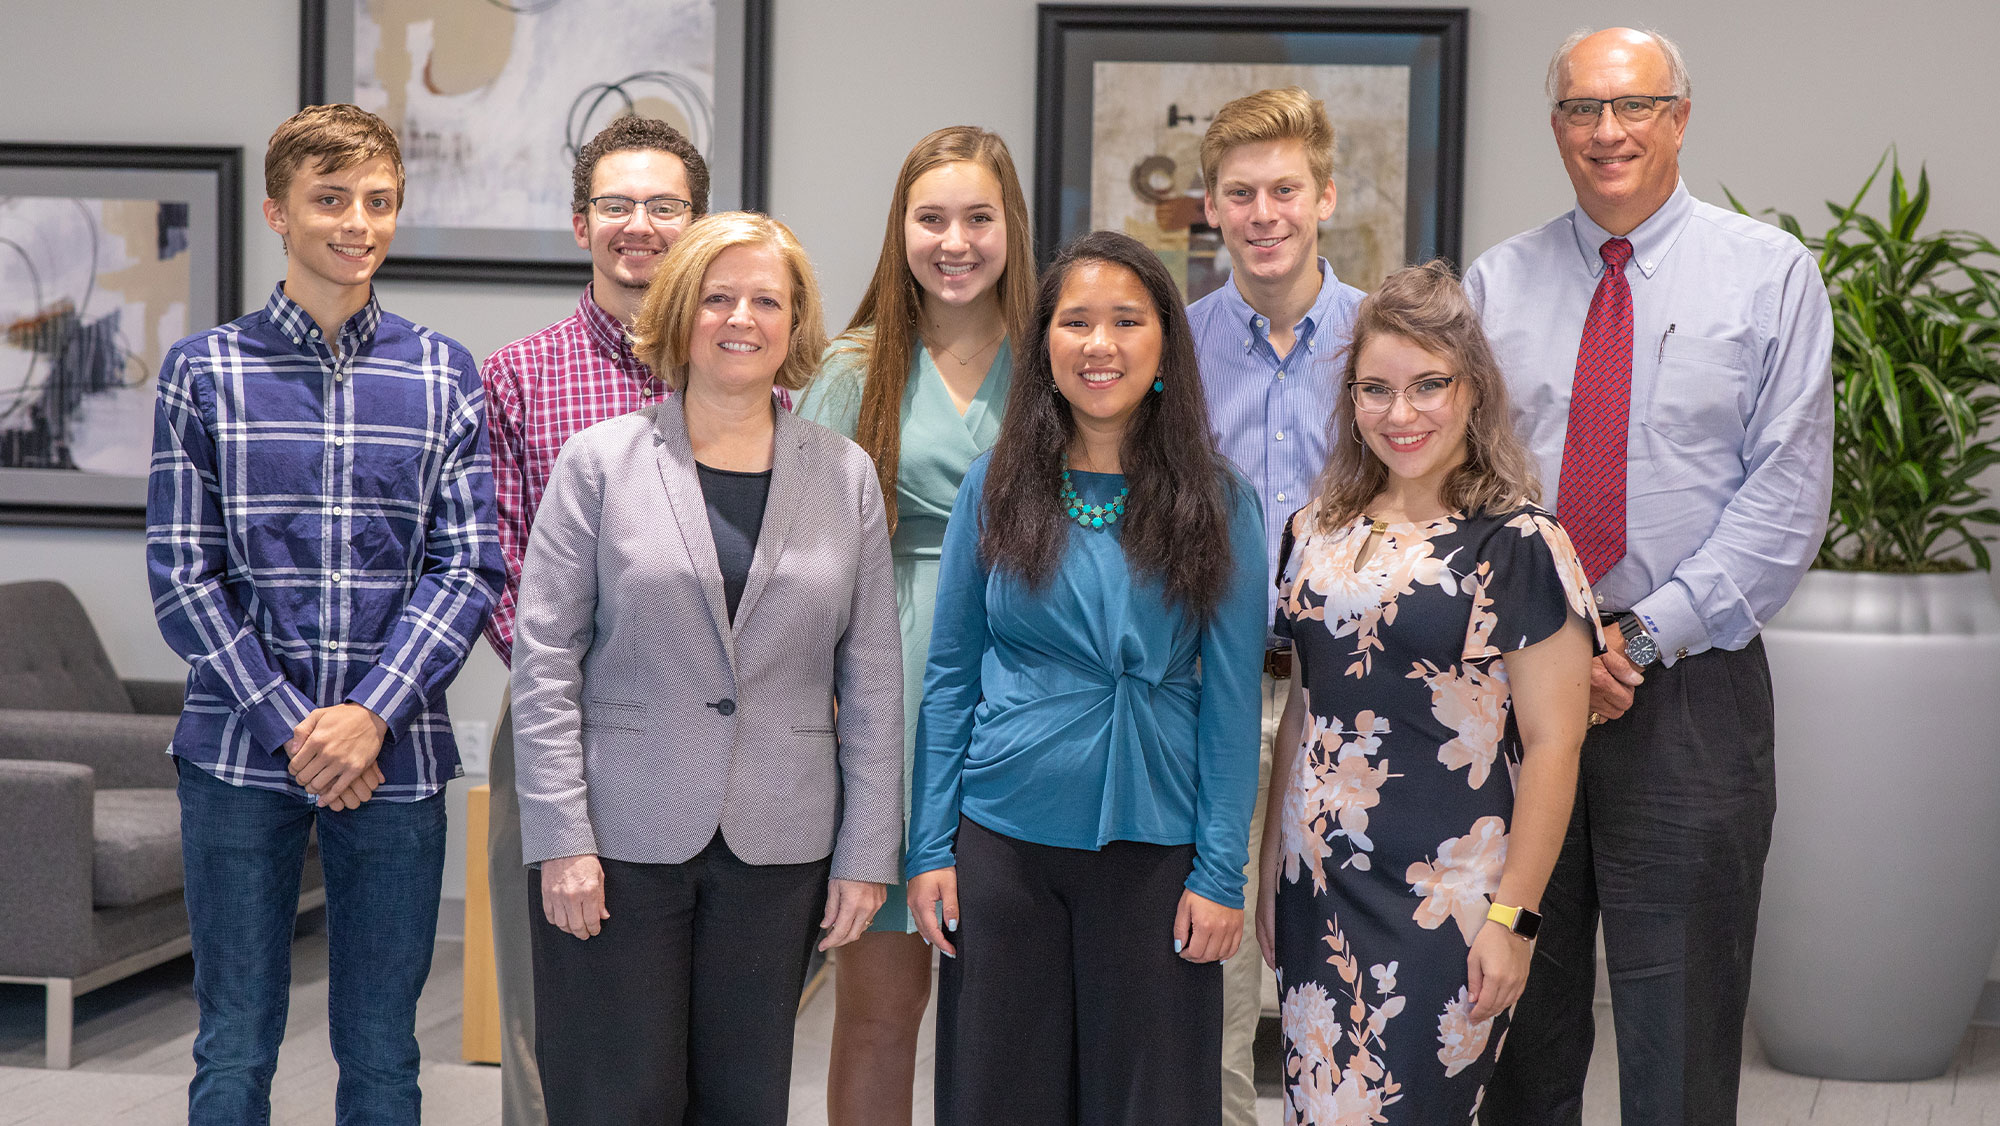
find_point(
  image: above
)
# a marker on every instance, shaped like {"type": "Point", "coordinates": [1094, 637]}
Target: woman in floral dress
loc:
{"type": "Point", "coordinates": [1427, 757]}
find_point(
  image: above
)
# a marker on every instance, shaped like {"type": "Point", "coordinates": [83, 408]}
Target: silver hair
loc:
{"type": "Point", "coordinates": [1677, 71]}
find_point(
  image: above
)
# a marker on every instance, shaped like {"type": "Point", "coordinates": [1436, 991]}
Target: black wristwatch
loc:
{"type": "Point", "coordinates": [1640, 648]}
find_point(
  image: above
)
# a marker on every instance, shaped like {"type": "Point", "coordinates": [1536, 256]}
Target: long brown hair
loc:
{"type": "Point", "coordinates": [1177, 525]}
{"type": "Point", "coordinates": [1426, 306]}
{"type": "Point", "coordinates": [894, 299]}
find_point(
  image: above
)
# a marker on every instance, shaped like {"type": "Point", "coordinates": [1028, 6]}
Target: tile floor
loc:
{"type": "Point", "coordinates": [133, 1041]}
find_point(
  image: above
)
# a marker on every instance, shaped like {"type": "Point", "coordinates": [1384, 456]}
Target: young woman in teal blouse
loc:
{"type": "Point", "coordinates": [919, 380]}
{"type": "Point", "coordinates": [1087, 743]}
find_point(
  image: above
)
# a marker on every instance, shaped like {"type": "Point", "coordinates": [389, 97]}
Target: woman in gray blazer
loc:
{"type": "Point", "coordinates": [707, 577]}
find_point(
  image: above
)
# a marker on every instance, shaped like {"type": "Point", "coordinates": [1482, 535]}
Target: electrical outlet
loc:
{"type": "Point", "coordinates": [475, 739]}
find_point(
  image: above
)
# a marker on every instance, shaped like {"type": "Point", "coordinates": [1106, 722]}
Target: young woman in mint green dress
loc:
{"type": "Point", "coordinates": [920, 380]}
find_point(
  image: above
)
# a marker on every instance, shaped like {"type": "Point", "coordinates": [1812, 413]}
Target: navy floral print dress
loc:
{"type": "Point", "coordinates": [1394, 824]}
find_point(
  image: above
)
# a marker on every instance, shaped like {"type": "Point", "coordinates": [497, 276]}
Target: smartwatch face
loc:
{"type": "Point", "coordinates": [1528, 924]}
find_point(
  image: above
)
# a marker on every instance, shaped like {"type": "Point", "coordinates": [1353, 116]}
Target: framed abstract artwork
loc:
{"type": "Point", "coordinates": [491, 99]}
{"type": "Point", "coordinates": [108, 254]}
{"type": "Point", "coordinates": [1125, 93]}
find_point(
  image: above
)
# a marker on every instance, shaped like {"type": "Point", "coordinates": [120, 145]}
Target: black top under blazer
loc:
{"type": "Point", "coordinates": [643, 719]}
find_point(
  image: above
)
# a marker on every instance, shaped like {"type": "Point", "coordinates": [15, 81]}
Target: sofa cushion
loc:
{"type": "Point", "coordinates": [50, 658]}
{"type": "Point", "coordinates": [137, 852]}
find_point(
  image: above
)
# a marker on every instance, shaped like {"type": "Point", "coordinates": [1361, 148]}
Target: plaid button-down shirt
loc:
{"type": "Point", "coordinates": [319, 530]}
{"type": "Point", "coordinates": [541, 390]}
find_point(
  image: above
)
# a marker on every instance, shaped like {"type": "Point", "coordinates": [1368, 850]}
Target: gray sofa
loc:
{"type": "Point", "coordinates": [90, 846]}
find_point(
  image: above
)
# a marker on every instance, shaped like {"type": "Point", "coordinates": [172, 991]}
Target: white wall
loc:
{"type": "Point", "coordinates": [1794, 101]}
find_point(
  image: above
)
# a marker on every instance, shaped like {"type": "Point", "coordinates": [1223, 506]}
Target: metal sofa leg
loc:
{"type": "Point", "coordinates": [62, 1014]}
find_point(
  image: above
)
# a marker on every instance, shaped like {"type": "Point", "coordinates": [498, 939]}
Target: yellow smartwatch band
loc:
{"type": "Point", "coordinates": [1524, 923]}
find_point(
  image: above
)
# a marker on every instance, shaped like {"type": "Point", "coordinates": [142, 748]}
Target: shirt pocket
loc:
{"type": "Point", "coordinates": [1700, 393]}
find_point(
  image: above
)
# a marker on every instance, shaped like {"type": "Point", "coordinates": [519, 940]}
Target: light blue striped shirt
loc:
{"type": "Point", "coordinates": [1270, 415]}
{"type": "Point", "coordinates": [1730, 453]}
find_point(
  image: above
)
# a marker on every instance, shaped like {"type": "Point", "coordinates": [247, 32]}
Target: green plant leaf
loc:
{"type": "Point", "coordinates": [1916, 359]}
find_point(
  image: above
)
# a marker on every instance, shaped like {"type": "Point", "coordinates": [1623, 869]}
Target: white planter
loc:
{"type": "Point", "coordinates": [1881, 901]}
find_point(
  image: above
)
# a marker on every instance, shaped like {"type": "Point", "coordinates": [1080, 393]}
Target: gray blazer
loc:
{"type": "Point", "coordinates": [643, 719]}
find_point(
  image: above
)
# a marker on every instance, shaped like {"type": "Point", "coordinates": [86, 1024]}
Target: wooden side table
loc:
{"type": "Point", "coordinates": [481, 1020]}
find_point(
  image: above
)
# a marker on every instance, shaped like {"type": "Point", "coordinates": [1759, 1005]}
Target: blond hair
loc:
{"type": "Point", "coordinates": [1426, 306]}
{"type": "Point", "coordinates": [663, 331]}
{"type": "Point", "coordinates": [332, 137]}
{"type": "Point", "coordinates": [1288, 114]}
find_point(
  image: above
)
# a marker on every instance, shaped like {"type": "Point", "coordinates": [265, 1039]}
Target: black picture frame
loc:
{"type": "Point", "coordinates": [1074, 38]}
{"type": "Point", "coordinates": [76, 372]}
{"type": "Point", "coordinates": [739, 162]}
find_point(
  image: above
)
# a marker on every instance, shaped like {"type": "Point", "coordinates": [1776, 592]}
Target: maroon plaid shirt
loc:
{"type": "Point", "coordinates": [540, 390]}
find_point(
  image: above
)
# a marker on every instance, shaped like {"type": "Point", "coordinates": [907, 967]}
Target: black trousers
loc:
{"type": "Point", "coordinates": [1066, 1003]}
{"type": "Point", "coordinates": [1667, 844]}
{"type": "Point", "coordinates": [680, 1012]}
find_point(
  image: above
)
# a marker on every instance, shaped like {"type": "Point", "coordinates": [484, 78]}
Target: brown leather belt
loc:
{"type": "Point", "coordinates": [1278, 663]}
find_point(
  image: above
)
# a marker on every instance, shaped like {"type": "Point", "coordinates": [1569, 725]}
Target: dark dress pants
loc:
{"type": "Point", "coordinates": [680, 1010]}
{"type": "Point", "coordinates": [1666, 844]}
{"type": "Point", "coordinates": [1066, 1003]}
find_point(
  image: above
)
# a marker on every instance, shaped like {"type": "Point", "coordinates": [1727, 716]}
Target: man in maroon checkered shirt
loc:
{"type": "Point", "coordinates": [638, 184]}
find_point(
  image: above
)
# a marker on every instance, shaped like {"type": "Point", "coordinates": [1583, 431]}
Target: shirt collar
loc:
{"type": "Point", "coordinates": [1651, 240]}
{"type": "Point", "coordinates": [1308, 326]}
{"type": "Point", "coordinates": [605, 330]}
{"type": "Point", "coordinates": [298, 326]}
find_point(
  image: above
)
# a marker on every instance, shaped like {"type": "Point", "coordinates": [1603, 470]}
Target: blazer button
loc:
{"type": "Point", "coordinates": [724, 707]}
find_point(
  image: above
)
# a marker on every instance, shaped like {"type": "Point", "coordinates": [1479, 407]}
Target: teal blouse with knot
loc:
{"type": "Point", "coordinates": [1092, 710]}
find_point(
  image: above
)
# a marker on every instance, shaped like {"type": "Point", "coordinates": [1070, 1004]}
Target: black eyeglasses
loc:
{"type": "Point", "coordinates": [619, 208]}
{"type": "Point", "coordinates": [1632, 109]}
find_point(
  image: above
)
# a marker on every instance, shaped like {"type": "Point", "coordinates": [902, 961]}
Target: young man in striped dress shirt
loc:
{"type": "Point", "coordinates": [321, 549]}
{"type": "Point", "coordinates": [1269, 343]}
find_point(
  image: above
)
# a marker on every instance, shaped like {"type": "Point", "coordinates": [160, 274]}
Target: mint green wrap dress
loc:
{"type": "Point", "coordinates": [937, 445]}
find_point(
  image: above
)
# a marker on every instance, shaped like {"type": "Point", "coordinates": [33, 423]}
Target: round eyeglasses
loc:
{"type": "Point", "coordinates": [1424, 394]}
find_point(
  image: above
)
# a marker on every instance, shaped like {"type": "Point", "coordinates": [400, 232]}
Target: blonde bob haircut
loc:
{"type": "Point", "coordinates": [1426, 306]}
{"type": "Point", "coordinates": [664, 330]}
{"type": "Point", "coordinates": [1287, 114]}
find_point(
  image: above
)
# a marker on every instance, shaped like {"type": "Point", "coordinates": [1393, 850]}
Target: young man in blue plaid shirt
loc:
{"type": "Point", "coordinates": [320, 541]}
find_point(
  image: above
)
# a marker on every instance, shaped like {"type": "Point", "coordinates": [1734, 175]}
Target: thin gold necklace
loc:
{"type": "Point", "coordinates": [963, 361]}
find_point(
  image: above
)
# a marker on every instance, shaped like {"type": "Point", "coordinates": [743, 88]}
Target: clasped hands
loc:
{"type": "Point", "coordinates": [332, 753]}
{"type": "Point", "coordinates": [1612, 679]}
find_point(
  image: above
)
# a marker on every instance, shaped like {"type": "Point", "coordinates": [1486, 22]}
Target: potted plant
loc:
{"type": "Point", "coordinates": [1881, 903]}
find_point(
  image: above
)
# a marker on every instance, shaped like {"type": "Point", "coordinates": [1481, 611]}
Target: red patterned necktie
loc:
{"type": "Point", "coordinates": [1590, 499]}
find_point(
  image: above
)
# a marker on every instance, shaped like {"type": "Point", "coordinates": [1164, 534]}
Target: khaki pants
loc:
{"type": "Point", "coordinates": [513, 952]}
{"type": "Point", "coordinates": [1246, 978]}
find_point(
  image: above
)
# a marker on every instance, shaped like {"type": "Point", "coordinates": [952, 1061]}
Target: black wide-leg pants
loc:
{"type": "Point", "coordinates": [680, 1012]}
{"type": "Point", "coordinates": [1067, 1003]}
{"type": "Point", "coordinates": [1667, 843]}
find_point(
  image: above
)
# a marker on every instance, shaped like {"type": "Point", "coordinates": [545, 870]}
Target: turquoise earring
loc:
{"type": "Point", "coordinates": [1159, 385]}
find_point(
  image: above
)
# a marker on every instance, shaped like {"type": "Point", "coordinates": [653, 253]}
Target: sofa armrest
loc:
{"type": "Point", "coordinates": [156, 697]}
{"type": "Point", "coordinates": [124, 750]}
{"type": "Point", "coordinates": [45, 853]}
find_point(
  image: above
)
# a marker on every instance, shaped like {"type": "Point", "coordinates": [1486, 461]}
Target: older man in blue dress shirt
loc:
{"type": "Point", "coordinates": [1270, 343]}
{"type": "Point", "coordinates": [1670, 366]}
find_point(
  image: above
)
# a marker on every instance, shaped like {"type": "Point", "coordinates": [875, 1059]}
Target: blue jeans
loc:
{"type": "Point", "coordinates": [244, 850]}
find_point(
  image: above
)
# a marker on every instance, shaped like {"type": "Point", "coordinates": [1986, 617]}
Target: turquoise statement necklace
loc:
{"type": "Point", "coordinates": [1096, 516]}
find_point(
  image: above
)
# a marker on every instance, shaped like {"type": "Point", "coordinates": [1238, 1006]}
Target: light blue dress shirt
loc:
{"type": "Point", "coordinates": [1091, 711]}
{"type": "Point", "coordinates": [1730, 453]}
{"type": "Point", "coordinates": [1269, 415]}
